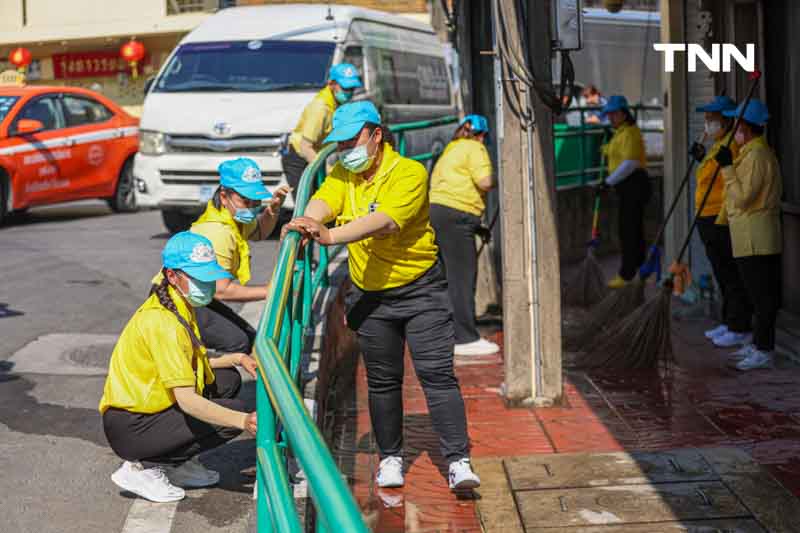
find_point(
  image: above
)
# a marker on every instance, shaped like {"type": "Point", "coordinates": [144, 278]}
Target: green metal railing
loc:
{"type": "Point", "coordinates": [283, 422]}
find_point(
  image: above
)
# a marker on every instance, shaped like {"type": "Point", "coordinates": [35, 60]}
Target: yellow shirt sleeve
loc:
{"type": "Point", "coordinates": [630, 145]}
{"type": "Point", "coordinates": [222, 240]}
{"type": "Point", "coordinates": [480, 165]}
{"type": "Point", "coordinates": [333, 191]}
{"type": "Point", "coordinates": [406, 196]}
{"type": "Point", "coordinates": [315, 122]}
{"type": "Point", "coordinates": [171, 349]}
{"type": "Point", "coordinates": [745, 180]}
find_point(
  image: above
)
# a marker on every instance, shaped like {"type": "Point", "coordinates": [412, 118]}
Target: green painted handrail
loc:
{"type": "Point", "coordinates": [283, 420]}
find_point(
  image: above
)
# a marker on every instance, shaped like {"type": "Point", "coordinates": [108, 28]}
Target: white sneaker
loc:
{"type": "Point", "coordinates": [716, 332]}
{"type": "Point", "coordinates": [742, 352]}
{"type": "Point", "coordinates": [149, 483]}
{"type": "Point", "coordinates": [461, 475]}
{"type": "Point", "coordinates": [730, 338]}
{"type": "Point", "coordinates": [756, 359]}
{"type": "Point", "coordinates": [478, 347]}
{"type": "Point", "coordinates": [192, 475]}
{"type": "Point", "coordinates": [390, 472]}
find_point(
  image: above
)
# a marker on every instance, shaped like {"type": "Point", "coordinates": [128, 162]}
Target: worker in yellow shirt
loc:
{"type": "Point", "coordinates": [753, 190]}
{"type": "Point", "coordinates": [627, 173]}
{"type": "Point", "coordinates": [164, 401]}
{"type": "Point", "coordinates": [737, 311]}
{"type": "Point", "coordinates": [460, 180]}
{"type": "Point", "coordinates": [315, 123]}
{"type": "Point", "coordinates": [399, 292]}
{"type": "Point", "coordinates": [235, 215]}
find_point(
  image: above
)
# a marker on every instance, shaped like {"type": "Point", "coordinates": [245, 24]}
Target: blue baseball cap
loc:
{"type": "Point", "coordinates": [717, 105]}
{"type": "Point", "coordinates": [345, 75]}
{"type": "Point", "coordinates": [243, 175]}
{"type": "Point", "coordinates": [194, 255]}
{"type": "Point", "coordinates": [350, 118]}
{"type": "Point", "coordinates": [616, 102]}
{"type": "Point", "coordinates": [756, 112]}
{"type": "Point", "coordinates": [478, 123]}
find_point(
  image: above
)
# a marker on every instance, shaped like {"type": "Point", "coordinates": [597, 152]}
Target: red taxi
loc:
{"type": "Point", "coordinates": [59, 144]}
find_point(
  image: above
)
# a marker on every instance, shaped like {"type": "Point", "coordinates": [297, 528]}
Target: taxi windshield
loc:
{"type": "Point", "coordinates": [6, 103]}
{"type": "Point", "coordinates": [247, 66]}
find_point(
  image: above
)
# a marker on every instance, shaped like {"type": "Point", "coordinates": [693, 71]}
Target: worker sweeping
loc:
{"type": "Point", "coordinates": [753, 189]}
{"type": "Point", "coordinates": [459, 182]}
{"type": "Point", "coordinates": [399, 293]}
{"type": "Point", "coordinates": [627, 162]}
{"type": "Point", "coordinates": [737, 310]}
{"type": "Point", "coordinates": [315, 123]}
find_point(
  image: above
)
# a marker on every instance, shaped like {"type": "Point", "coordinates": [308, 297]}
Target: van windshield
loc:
{"type": "Point", "coordinates": [247, 66]}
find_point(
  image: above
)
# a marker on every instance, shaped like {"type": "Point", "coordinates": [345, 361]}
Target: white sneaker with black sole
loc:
{"type": "Point", "coordinates": [716, 332]}
{"type": "Point", "coordinates": [461, 476]}
{"type": "Point", "coordinates": [149, 483]}
{"type": "Point", "coordinates": [756, 360]}
{"type": "Point", "coordinates": [478, 347]}
{"type": "Point", "coordinates": [731, 338]}
{"type": "Point", "coordinates": [390, 472]}
{"type": "Point", "coordinates": [192, 475]}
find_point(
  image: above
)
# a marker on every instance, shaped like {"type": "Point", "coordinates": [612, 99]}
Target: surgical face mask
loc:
{"type": "Point", "coordinates": [739, 137]}
{"type": "Point", "coordinates": [246, 215]}
{"type": "Point", "coordinates": [200, 292]}
{"type": "Point", "coordinates": [357, 160]}
{"type": "Point", "coordinates": [712, 128]}
{"type": "Point", "coordinates": [343, 97]}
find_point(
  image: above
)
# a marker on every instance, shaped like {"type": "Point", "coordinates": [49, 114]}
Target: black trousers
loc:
{"type": "Point", "coordinates": [293, 166]}
{"type": "Point", "coordinates": [633, 193]}
{"type": "Point", "coordinates": [418, 313]}
{"type": "Point", "coordinates": [737, 310]}
{"type": "Point", "coordinates": [171, 436]}
{"type": "Point", "coordinates": [455, 235]}
{"type": "Point", "coordinates": [762, 278]}
{"type": "Point", "coordinates": [223, 330]}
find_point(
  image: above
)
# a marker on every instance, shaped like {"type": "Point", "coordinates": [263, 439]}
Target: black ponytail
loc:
{"type": "Point", "coordinates": [162, 292]}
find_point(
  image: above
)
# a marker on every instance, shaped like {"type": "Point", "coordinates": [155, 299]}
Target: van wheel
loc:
{"type": "Point", "coordinates": [124, 199]}
{"type": "Point", "coordinates": [176, 221]}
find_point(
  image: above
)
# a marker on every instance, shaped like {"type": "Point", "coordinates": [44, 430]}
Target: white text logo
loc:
{"type": "Point", "coordinates": [719, 60]}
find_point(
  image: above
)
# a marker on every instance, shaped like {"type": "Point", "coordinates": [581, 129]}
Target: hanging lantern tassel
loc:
{"type": "Point", "coordinates": [133, 52]}
{"type": "Point", "coordinates": [20, 58]}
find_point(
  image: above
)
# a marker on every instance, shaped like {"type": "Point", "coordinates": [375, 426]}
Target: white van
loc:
{"type": "Point", "coordinates": [236, 85]}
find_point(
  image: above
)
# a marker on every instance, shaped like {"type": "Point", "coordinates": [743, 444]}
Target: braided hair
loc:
{"type": "Point", "coordinates": [162, 292]}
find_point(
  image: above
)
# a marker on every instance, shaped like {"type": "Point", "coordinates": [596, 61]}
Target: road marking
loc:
{"type": "Point", "coordinates": [149, 517]}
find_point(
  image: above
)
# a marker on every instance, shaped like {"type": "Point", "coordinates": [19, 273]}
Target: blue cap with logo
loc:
{"type": "Point", "coordinates": [478, 123]}
{"type": "Point", "coordinates": [350, 118]}
{"type": "Point", "coordinates": [717, 105]}
{"type": "Point", "coordinates": [345, 75]}
{"type": "Point", "coordinates": [243, 175]}
{"type": "Point", "coordinates": [756, 112]}
{"type": "Point", "coordinates": [194, 255]}
{"type": "Point", "coordinates": [615, 102]}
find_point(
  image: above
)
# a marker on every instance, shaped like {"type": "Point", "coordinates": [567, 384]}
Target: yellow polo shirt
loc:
{"type": "Point", "coordinates": [400, 190]}
{"type": "Point", "coordinates": [153, 355]}
{"type": "Point", "coordinates": [705, 171]}
{"type": "Point", "coordinates": [224, 241]}
{"type": "Point", "coordinates": [626, 143]}
{"type": "Point", "coordinates": [454, 181]}
{"type": "Point", "coordinates": [316, 121]}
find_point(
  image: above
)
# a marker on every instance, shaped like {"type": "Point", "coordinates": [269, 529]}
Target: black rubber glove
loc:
{"type": "Point", "coordinates": [697, 151]}
{"type": "Point", "coordinates": [484, 233]}
{"type": "Point", "coordinates": [724, 157]}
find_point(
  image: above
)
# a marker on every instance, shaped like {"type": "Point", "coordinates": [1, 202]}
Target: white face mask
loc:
{"type": "Point", "coordinates": [739, 137]}
{"type": "Point", "coordinates": [712, 128]}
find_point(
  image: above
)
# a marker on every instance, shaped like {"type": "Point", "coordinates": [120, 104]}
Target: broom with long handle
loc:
{"type": "Point", "coordinates": [644, 338]}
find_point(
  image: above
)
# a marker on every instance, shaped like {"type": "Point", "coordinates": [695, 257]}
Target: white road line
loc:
{"type": "Point", "coordinates": [149, 517]}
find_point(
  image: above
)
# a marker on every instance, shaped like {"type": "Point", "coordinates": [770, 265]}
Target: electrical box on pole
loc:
{"type": "Point", "coordinates": [567, 19]}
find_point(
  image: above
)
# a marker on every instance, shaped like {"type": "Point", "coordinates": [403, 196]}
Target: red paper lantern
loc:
{"type": "Point", "coordinates": [133, 51]}
{"type": "Point", "coordinates": [20, 58]}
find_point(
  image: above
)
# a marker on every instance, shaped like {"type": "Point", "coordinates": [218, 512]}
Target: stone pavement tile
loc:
{"type": "Point", "coordinates": [774, 506]}
{"type": "Point", "coordinates": [575, 435]}
{"type": "Point", "coordinates": [496, 507]}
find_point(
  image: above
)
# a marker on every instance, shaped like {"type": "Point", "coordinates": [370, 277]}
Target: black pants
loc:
{"type": "Point", "coordinates": [419, 313]}
{"type": "Point", "coordinates": [455, 235]}
{"type": "Point", "coordinates": [762, 278]}
{"type": "Point", "coordinates": [633, 193]}
{"type": "Point", "coordinates": [223, 330]}
{"type": "Point", "coordinates": [171, 436]}
{"type": "Point", "coordinates": [293, 166]}
{"type": "Point", "coordinates": [737, 311]}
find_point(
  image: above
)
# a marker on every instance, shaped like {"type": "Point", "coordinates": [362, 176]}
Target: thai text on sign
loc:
{"type": "Point", "coordinates": [90, 64]}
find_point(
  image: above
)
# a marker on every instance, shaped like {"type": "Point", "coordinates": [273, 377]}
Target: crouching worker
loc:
{"type": "Point", "coordinates": [399, 291]}
{"type": "Point", "coordinates": [164, 400]}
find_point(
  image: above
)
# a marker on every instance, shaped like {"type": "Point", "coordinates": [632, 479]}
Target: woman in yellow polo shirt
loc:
{"type": "Point", "coordinates": [460, 180]}
{"type": "Point", "coordinates": [627, 163]}
{"type": "Point", "coordinates": [737, 311]}
{"type": "Point", "coordinates": [399, 292]}
{"type": "Point", "coordinates": [234, 216]}
{"type": "Point", "coordinates": [164, 400]}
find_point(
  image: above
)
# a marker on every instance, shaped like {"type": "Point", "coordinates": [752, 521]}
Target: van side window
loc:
{"type": "Point", "coordinates": [406, 78]}
{"type": "Point", "coordinates": [355, 56]}
{"type": "Point", "coordinates": [81, 110]}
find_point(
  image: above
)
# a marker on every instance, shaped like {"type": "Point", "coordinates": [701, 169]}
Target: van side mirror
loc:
{"type": "Point", "coordinates": [148, 84]}
{"type": "Point", "coordinates": [27, 126]}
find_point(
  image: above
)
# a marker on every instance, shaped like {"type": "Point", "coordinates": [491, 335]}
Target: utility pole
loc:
{"type": "Point", "coordinates": [531, 275]}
